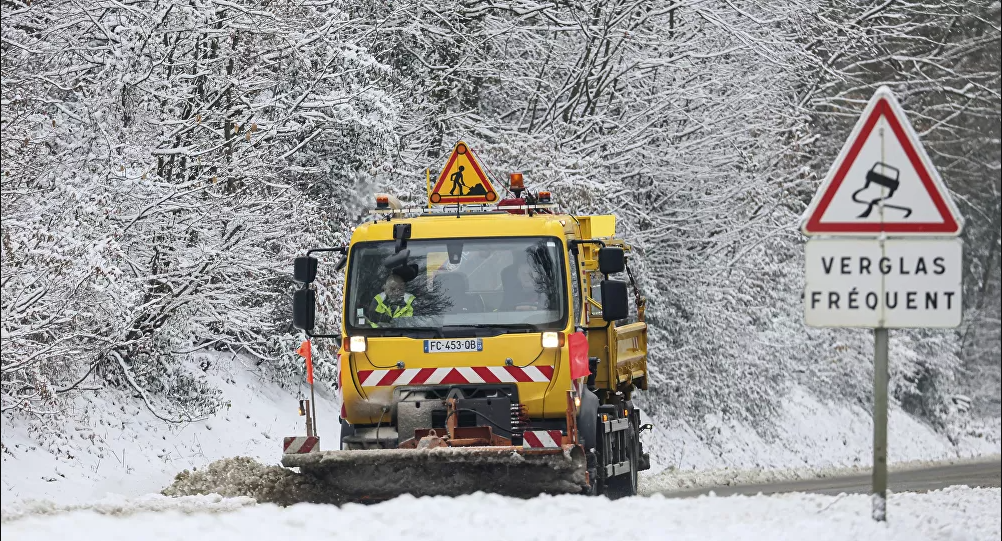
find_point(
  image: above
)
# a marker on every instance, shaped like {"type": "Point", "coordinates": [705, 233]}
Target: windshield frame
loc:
{"type": "Point", "coordinates": [475, 330]}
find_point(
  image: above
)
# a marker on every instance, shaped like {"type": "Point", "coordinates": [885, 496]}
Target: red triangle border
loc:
{"type": "Point", "coordinates": [948, 225]}
{"type": "Point", "coordinates": [468, 199]}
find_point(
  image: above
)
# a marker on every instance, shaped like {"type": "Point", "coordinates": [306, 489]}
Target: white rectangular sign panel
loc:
{"type": "Point", "coordinates": [892, 283]}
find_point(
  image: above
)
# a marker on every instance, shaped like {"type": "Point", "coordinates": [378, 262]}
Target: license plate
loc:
{"type": "Point", "coordinates": [454, 346]}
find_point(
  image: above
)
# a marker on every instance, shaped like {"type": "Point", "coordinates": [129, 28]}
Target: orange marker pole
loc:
{"type": "Point", "coordinates": [305, 350]}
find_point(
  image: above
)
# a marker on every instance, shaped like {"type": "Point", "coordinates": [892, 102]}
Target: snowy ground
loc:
{"type": "Point", "coordinates": [811, 435]}
{"type": "Point", "coordinates": [954, 514]}
{"type": "Point", "coordinates": [118, 447]}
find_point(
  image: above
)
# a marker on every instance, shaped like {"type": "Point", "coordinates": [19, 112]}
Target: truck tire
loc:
{"type": "Point", "coordinates": [623, 486]}
{"type": "Point", "coordinates": [588, 420]}
{"type": "Point", "coordinates": [588, 434]}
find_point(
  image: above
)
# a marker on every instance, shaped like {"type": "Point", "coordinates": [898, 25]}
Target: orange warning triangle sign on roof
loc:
{"type": "Point", "coordinates": [462, 181]}
{"type": "Point", "coordinates": [882, 182]}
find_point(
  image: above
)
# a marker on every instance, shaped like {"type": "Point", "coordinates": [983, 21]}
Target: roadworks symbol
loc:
{"type": "Point", "coordinates": [462, 181]}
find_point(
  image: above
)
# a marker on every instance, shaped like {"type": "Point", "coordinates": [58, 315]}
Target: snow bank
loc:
{"type": "Point", "coordinates": [808, 435]}
{"type": "Point", "coordinates": [243, 476]}
{"type": "Point", "coordinates": [957, 513]}
{"type": "Point", "coordinates": [110, 444]}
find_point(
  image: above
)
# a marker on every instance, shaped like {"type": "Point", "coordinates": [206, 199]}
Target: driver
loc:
{"type": "Point", "coordinates": [392, 303]}
{"type": "Point", "coordinates": [523, 293]}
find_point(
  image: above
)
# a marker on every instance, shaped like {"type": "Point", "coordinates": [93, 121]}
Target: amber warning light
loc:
{"type": "Point", "coordinates": [516, 181]}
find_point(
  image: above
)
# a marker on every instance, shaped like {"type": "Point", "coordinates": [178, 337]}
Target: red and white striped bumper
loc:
{"type": "Point", "coordinates": [541, 439]}
{"type": "Point", "coordinates": [446, 376]}
{"type": "Point", "coordinates": [295, 445]}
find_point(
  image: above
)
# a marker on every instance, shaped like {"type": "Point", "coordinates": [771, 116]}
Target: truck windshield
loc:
{"type": "Point", "coordinates": [506, 284]}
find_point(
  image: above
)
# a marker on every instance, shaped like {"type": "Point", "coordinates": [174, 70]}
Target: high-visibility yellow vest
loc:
{"type": "Point", "coordinates": [406, 310]}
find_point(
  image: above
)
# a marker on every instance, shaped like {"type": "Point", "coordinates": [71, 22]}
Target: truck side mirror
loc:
{"type": "Point", "coordinates": [615, 303]}
{"type": "Point", "coordinates": [305, 269]}
{"type": "Point", "coordinates": [611, 260]}
{"type": "Point", "coordinates": [304, 309]}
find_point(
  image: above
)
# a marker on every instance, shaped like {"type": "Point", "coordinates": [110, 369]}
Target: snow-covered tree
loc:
{"type": "Point", "coordinates": [162, 165]}
{"type": "Point", "coordinates": [163, 162]}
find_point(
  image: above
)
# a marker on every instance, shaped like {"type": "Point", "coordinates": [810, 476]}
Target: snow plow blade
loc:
{"type": "Point", "coordinates": [380, 474]}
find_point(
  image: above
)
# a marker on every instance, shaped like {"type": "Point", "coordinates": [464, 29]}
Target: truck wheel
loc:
{"type": "Point", "coordinates": [588, 421]}
{"type": "Point", "coordinates": [588, 434]}
{"type": "Point", "coordinates": [622, 486]}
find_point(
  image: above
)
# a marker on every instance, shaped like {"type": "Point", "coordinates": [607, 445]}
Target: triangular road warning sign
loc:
{"type": "Point", "coordinates": [882, 182]}
{"type": "Point", "coordinates": [462, 181]}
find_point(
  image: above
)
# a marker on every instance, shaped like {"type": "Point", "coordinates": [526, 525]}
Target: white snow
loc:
{"type": "Point", "coordinates": [117, 447]}
{"type": "Point", "coordinates": [955, 514]}
{"type": "Point", "coordinates": [810, 435]}
{"type": "Point", "coordinates": [121, 506]}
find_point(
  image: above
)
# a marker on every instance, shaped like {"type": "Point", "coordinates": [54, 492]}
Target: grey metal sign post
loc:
{"type": "Point", "coordinates": [880, 376]}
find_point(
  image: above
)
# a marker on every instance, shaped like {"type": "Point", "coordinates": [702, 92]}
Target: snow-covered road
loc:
{"type": "Point", "coordinates": [955, 514]}
{"type": "Point", "coordinates": [918, 476]}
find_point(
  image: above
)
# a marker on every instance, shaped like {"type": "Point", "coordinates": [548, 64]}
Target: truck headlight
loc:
{"type": "Point", "coordinates": [553, 339]}
{"type": "Point", "coordinates": [357, 344]}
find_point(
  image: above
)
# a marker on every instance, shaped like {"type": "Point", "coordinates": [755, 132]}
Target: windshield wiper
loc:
{"type": "Point", "coordinates": [461, 331]}
{"type": "Point", "coordinates": [455, 331]}
{"type": "Point", "coordinates": [410, 332]}
{"type": "Point", "coordinates": [502, 328]}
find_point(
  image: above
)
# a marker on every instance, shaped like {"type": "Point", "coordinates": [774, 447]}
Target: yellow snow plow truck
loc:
{"type": "Point", "coordinates": [484, 346]}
